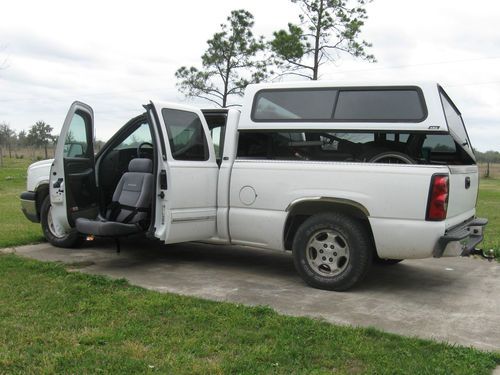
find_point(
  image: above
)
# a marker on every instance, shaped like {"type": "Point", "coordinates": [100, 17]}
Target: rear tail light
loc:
{"type": "Point", "coordinates": [437, 206]}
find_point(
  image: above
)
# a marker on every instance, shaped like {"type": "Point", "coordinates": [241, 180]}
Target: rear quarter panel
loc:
{"type": "Point", "coordinates": [394, 194]}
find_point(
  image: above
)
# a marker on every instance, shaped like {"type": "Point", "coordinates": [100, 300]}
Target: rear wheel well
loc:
{"type": "Point", "coordinates": [41, 193]}
{"type": "Point", "coordinates": [300, 212]}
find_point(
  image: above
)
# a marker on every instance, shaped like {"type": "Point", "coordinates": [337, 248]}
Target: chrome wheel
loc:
{"type": "Point", "coordinates": [52, 227]}
{"type": "Point", "coordinates": [327, 252]}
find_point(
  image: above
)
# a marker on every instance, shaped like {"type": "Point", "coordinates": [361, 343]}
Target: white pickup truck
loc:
{"type": "Point", "coordinates": [341, 175]}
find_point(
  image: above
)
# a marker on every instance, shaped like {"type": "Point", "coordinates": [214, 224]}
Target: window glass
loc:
{"type": "Point", "coordinates": [185, 134]}
{"type": "Point", "coordinates": [290, 105]}
{"type": "Point", "coordinates": [373, 105]}
{"type": "Point", "coordinates": [339, 146]}
{"type": "Point", "coordinates": [455, 123]}
{"type": "Point", "coordinates": [355, 137]}
{"type": "Point", "coordinates": [216, 134]}
{"type": "Point", "coordinates": [217, 124]}
{"type": "Point", "coordinates": [439, 143]}
{"type": "Point", "coordinates": [310, 145]}
{"type": "Point", "coordinates": [140, 135]}
{"type": "Point", "coordinates": [396, 137]}
{"type": "Point", "coordinates": [76, 142]}
{"type": "Point", "coordinates": [404, 137]}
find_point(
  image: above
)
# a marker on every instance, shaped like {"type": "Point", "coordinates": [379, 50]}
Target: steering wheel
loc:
{"type": "Point", "coordinates": [140, 147]}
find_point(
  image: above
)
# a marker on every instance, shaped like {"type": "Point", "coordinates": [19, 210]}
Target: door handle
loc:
{"type": "Point", "coordinates": [85, 173]}
{"type": "Point", "coordinates": [58, 183]}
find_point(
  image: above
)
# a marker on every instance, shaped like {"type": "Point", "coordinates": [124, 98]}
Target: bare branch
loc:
{"type": "Point", "coordinates": [209, 99]}
{"type": "Point", "coordinates": [299, 64]}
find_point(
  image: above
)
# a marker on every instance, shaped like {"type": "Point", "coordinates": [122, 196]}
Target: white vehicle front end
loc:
{"type": "Point", "coordinates": [37, 180]}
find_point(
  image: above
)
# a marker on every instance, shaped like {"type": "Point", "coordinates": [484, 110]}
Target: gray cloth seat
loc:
{"type": "Point", "coordinates": [130, 208]}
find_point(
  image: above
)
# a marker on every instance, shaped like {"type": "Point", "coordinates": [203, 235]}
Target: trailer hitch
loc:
{"type": "Point", "coordinates": [485, 254]}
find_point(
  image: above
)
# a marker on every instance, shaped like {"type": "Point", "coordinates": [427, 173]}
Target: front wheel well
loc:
{"type": "Point", "coordinates": [300, 212]}
{"type": "Point", "coordinates": [41, 192]}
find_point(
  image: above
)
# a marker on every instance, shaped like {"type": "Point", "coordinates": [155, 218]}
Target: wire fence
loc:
{"type": "Point", "coordinates": [489, 170]}
{"type": "Point", "coordinates": [32, 153]}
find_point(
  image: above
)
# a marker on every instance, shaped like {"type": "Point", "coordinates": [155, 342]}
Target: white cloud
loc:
{"type": "Point", "coordinates": [118, 56]}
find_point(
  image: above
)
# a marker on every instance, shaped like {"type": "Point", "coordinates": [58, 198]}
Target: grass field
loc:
{"type": "Point", "coordinates": [54, 321]}
{"type": "Point", "coordinates": [15, 228]}
{"type": "Point", "coordinates": [489, 207]}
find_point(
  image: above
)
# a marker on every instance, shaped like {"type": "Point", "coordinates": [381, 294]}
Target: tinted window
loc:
{"type": "Point", "coordinates": [373, 105]}
{"type": "Point", "coordinates": [185, 134]}
{"type": "Point", "coordinates": [313, 145]}
{"type": "Point", "coordinates": [298, 105]}
{"type": "Point", "coordinates": [76, 142]}
{"type": "Point", "coordinates": [439, 143]}
{"type": "Point", "coordinates": [360, 147]}
{"type": "Point", "coordinates": [455, 123]}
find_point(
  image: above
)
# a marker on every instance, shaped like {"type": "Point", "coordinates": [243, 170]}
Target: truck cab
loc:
{"type": "Point", "coordinates": [340, 175]}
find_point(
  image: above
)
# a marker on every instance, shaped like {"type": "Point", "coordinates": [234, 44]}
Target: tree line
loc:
{"type": "Point", "coordinates": [38, 136]}
{"type": "Point", "coordinates": [487, 157]}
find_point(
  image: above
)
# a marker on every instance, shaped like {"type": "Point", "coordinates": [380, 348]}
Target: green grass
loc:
{"type": "Point", "coordinates": [489, 207]}
{"type": "Point", "coordinates": [15, 228]}
{"type": "Point", "coordinates": [54, 321]}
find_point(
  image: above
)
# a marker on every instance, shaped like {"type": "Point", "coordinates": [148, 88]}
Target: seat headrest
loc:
{"type": "Point", "coordinates": [142, 165]}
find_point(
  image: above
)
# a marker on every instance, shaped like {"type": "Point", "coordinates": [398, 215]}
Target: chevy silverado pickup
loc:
{"type": "Point", "coordinates": [340, 175]}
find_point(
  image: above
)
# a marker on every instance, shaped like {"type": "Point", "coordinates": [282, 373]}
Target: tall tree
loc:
{"type": "Point", "coordinates": [22, 138]}
{"type": "Point", "coordinates": [7, 137]}
{"type": "Point", "coordinates": [327, 29]}
{"type": "Point", "coordinates": [40, 135]}
{"type": "Point", "coordinates": [229, 64]}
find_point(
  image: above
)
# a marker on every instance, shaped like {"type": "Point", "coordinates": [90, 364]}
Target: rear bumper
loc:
{"type": "Point", "coordinates": [461, 240]}
{"type": "Point", "coordinates": [28, 206]}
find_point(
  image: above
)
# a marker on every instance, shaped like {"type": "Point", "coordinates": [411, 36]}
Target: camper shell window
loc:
{"type": "Point", "coordinates": [348, 146]}
{"type": "Point", "coordinates": [394, 104]}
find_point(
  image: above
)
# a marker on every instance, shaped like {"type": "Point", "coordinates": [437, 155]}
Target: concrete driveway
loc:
{"type": "Point", "coordinates": [454, 299]}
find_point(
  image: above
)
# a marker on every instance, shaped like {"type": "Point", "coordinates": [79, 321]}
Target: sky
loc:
{"type": "Point", "coordinates": [117, 56]}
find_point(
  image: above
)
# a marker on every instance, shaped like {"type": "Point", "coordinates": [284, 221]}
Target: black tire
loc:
{"type": "Point", "coordinates": [355, 236]}
{"type": "Point", "coordinates": [70, 240]}
{"type": "Point", "coordinates": [386, 262]}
